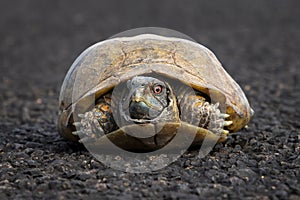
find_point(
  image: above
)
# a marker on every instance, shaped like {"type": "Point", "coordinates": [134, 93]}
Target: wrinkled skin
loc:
{"type": "Point", "coordinates": [148, 100]}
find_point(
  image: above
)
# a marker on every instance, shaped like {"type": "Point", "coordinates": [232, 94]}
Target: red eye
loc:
{"type": "Point", "coordinates": [157, 89]}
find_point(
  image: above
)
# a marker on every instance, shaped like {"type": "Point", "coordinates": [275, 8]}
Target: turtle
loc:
{"type": "Point", "coordinates": [124, 88]}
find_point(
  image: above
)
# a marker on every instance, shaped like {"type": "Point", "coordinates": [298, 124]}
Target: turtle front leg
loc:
{"type": "Point", "coordinates": [96, 122]}
{"type": "Point", "coordinates": [201, 113]}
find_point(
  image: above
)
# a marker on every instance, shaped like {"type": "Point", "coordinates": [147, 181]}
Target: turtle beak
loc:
{"type": "Point", "coordinates": [141, 107]}
{"type": "Point", "coordinates": [138, 110]}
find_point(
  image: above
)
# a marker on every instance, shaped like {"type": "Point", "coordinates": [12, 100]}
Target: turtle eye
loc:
{"type": "Point", "coordinates": [157, 89]}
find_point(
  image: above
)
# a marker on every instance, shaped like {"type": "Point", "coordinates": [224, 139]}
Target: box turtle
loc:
{"type": "Point", "coordinates": [138, 91]}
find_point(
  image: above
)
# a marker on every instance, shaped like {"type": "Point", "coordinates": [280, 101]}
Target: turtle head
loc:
{"type": "Point", "coordinates": [150, 100]}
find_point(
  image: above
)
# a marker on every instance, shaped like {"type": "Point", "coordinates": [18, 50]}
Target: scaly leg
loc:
{"type": "Point", "coordinates": [97, 122]}
{"type": "Point", "coordinates": [198, 111]}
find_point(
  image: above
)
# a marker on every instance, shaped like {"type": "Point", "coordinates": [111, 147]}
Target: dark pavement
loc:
{"type": "Point", "coordinates": [257, 42]}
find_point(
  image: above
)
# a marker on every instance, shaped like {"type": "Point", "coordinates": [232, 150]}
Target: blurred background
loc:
{"type": "Point", "coordinates": [43, 38]}
{"type": "Point", "coordinates": [254, 40]}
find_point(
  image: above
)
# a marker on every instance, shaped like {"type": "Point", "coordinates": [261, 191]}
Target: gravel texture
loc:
{"type": "Point", "coordinates": [257, 42]}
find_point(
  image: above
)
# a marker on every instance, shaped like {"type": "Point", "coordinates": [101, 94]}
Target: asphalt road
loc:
{"type": "Point", "coordinates": [258, 44]}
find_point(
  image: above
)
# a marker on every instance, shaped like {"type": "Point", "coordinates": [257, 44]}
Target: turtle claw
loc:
{"type": "Point", "coordinates": [76, 132]}
{"type": "Point", "coordinates": [221, 122]}
{"type": "Point", "coordinates": [77, 124]}
{"type": "Point", "coordinates": [81, 115]}
{"type": "Point", "coordinates": [85, 140]}
{"type": "Point", "coordinates": [225, 132]}
{"type": "Point", "coordinates": [224, 116]}
{"type": "Point", "coordinates": [227, 123]}
{"type": "Point", "coordinates": [216, 105]}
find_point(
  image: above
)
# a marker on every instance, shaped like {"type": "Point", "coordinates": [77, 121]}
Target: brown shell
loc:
{"type": "Point", "coordinates": [105, 64]}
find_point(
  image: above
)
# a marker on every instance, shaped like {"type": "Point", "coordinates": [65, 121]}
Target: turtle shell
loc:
{"type": "Point", "coordinates": [106, 64]}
